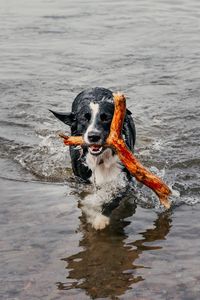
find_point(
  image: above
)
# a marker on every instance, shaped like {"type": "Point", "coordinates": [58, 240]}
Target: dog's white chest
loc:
{"type": "Point", "coordinates": [105, 168]}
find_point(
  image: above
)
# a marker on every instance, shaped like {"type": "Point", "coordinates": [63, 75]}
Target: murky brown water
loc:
{"type": "Point", "coordinates": [50, 51]}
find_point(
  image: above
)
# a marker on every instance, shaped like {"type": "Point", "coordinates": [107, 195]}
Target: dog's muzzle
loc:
{"type": "Point", "coordinates": [94, 137]}
{"type": "Point", "coordinates": [95, 149]}
{"type": "Point", "coordinates": [95, 142]}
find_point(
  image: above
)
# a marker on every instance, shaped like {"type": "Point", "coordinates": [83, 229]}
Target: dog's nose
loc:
{"type": "Point", "coordinates": [93, 137]}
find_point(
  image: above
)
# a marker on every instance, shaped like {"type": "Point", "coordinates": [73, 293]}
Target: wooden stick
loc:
{"type": "Point", "coordinates": [128, 159]}
{"type": "Point", "coordinates": [72, 140]}
{"type": "Point", "coordinates": [116, 141]}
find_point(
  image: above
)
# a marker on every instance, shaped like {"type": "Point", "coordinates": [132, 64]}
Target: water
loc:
{"type": "Point", "coordinates": [50, 51]}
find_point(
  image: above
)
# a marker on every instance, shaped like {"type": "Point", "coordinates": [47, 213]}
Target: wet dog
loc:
{"type": "Point", "coordinates": [91, 116]}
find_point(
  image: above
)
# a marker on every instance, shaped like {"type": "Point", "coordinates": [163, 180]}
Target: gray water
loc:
{"type": "Point", "coordinates": [49, 52]}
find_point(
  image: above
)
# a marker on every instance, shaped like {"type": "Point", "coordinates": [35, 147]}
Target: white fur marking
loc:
{"type": "Point", "coordinates": [100, 222]}
{"type": "Point", "coordinates": [92, 203]}
{"type": "Point", "coordinates": [95, 109]}
{"type": "Point", "coordinates": [106, 171]}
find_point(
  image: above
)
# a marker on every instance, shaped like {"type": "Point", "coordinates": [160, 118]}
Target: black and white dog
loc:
{"type": "Point", "coordinates": [91, 116]}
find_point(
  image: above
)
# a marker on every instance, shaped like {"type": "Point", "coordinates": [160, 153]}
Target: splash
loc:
{"type": "Point", "coordinates": [47, 161]}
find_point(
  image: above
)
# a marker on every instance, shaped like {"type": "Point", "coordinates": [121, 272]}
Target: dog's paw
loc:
{"type": "Point", "coordinates": [100, 222]}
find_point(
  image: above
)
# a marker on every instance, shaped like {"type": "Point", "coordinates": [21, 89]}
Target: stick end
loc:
{"type": "Point", "coordinates": [62, 136]}
{"type": "Point", "coordinates": [119, 96]}
{"type": "Point", "coordinates": [165, 201]}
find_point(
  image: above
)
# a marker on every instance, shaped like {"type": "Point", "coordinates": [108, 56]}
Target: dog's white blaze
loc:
{"type": "Point", "coordinates": [105, 170]}
{"type": "Point", "coordinates": [94, 109]}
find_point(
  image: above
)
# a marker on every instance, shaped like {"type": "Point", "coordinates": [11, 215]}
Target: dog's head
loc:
{"type": "Point", "coordinates": [91, 116]}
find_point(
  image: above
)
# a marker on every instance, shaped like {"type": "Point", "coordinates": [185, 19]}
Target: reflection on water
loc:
{"type": "Point", "coordinates": [107, 264]}
{"type": "Point", "coordinates": [50, 51]}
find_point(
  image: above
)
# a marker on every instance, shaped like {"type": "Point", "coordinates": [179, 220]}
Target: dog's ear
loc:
{"type": "Point", "coordinates": [128, 112]}
{"type": "Point", "coordinates": [66, 118]}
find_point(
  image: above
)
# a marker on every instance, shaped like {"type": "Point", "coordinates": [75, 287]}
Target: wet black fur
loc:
{"type": "Point", "coordinates": [78, 123]}
{"type": "Point", "coordinates": [78, 120]}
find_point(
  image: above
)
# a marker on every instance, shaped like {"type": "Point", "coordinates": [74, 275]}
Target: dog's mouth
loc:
{"type": "Point", "coordinates": [95, 149]}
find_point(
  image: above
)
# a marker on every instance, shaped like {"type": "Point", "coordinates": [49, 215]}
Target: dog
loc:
{"type": "Point", "coordinates": [91, 116]}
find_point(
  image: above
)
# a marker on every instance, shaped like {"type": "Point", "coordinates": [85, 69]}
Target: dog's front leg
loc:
{"type": "Point", "coordinates": [103, 219]}
{"type": "Point", "coordinates": [92, 208]}
{"type": "Point", "coordinates": [100, 221]}
{"type": "Point", "coordinates": [108, 208]}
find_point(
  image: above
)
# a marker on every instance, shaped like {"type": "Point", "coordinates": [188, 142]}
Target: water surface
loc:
{"type": "Point", "coordinates": [50, 51]}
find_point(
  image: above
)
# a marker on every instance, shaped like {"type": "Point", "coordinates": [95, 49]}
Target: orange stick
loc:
{"type": "Point", "coordinates": [128, 159]}
{"type": "Point", "coordinates": [72, 140]}
{"type": "Point", "coordinates": [116, 141]}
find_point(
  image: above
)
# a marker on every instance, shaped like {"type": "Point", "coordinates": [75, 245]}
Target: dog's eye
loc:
{"type": "Point", "coordinates": [87, 116]}
{"type": "Point", "coordinates": [104, 117]}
